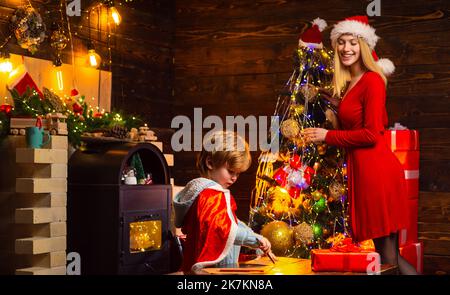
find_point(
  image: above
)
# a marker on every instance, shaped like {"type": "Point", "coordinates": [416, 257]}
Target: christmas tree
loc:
{"type": "Point", "coordinates": [299, 200]}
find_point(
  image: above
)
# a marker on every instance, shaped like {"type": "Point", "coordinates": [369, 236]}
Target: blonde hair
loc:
{"type": "Point", "coordinates": [224, 147]}
{"type": "Point", "coordinates": [342, 73]}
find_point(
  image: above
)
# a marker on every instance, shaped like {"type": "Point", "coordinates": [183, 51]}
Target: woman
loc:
{"type": "Point", "coordinates": [376, 186]}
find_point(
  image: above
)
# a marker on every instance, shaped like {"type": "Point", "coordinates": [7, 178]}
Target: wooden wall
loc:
{"type": "Point", "coordinates": [141, 51]}
{"type": "Point", "coordinates": [231, 58]}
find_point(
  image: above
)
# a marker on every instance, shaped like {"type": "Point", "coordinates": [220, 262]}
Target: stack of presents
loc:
{"type": "Point", "coordinates": [347, 257]}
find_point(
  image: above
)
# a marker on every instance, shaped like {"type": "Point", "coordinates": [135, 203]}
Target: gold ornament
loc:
{"type": "Point", "coordinates": [322, 149]}
{"type": "Point", "coordinates": [336, 189]}
{"type": "Point", "coordinates": [29, 28]}
{"type": "Point", "coordinates": [297, 110]}
{"type": "Point", "coordinates": [58, 40]}
{"type": "Point", "coordinates": [317, 166]}
{"type": "Point", "coordinates": [309, 91]}
{"type": "Point", "coordinates": [280, 200]}
{"type": "Point", "coordinates": [316, 195]}
{"type": "Point", "coordinates": [280, 236]}
{"type": "Point", "coordinates": [290, 128]}
{"type": "Point", "coordinates": [303, 233]}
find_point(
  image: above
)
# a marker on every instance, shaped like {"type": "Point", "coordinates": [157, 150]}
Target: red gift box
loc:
{"type": "Point", "coordinates": [413, 253]}
{"type": "Point", "coordinates": [402, 140]}
{"type": "Point", "coordinates": [327, 260]}
{"type": "Point", "coordinates": [412, 187]}
{"type": "Point", "coordinates": [408, 159]}
{"type": "Point", "coordinates": [410, 163]}
{"type": "Point", "coordinates": [409, 235]}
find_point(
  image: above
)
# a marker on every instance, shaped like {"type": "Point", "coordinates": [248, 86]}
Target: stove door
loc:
{"type": "Point", "coordinates": [145, 242]}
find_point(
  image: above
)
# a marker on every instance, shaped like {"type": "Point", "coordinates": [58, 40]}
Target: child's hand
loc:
{"type": "Point", "coordinates": [264, 245]}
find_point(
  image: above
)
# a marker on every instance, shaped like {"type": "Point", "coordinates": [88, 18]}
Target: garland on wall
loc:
{"type": "Point", "coordinates": [80, 118]}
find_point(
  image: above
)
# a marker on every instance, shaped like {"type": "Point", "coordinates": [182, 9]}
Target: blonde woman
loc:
{"type": "Point", "coordinates": [376, 186]}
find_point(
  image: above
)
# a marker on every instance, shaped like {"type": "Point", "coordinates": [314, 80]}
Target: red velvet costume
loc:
{"type": "Point", "coordinates": [210, 225]}
{"type": "Point", "coordinates": [376, 185]}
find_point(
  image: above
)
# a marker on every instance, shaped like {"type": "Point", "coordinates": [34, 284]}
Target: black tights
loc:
{"type": "Point", "coordinates": [387, 247]}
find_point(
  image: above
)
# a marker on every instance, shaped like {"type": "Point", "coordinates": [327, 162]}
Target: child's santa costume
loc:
{"type": "Point", "coordinates": [206, 213]}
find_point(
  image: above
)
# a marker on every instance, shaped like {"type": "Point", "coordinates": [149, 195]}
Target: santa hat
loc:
{"type": "Point", "coordinates": [359, 26]}
{"type": "Point", "coordinates": [312, 37]}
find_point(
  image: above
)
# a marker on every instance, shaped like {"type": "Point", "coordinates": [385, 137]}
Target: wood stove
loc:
{"type": "Point", "coordinates": [118, 228]}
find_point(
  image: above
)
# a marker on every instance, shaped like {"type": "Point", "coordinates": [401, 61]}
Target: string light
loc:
{"type": "Point", "coordinates": [5, 62]}
{"type": "Point", "coordinates": [115, 15]}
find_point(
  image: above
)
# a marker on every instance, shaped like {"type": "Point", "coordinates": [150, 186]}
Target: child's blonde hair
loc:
{"type": "Point", "coordinates": [224, 147]}
{"type": "Point", "coordinates": [342, 74]}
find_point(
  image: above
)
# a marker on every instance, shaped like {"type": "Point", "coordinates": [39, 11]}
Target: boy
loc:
{"type": "Point", "coordinates": [205, 208]}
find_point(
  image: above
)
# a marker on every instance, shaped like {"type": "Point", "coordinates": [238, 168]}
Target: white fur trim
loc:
{"type": "Point", "coordinates": [356, 28]}
{"type": "Point", "coordinates": [231, 237]}
{"type": "Point", "coordinates": [320, 23]}
{"type": "Point", "coordinates": [386, 65]}
{"type": "Point", "coordinates": [310, 45]}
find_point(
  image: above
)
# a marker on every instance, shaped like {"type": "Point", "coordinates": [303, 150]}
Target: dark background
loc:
{"type": "Point", "coordinates": [233, 57]}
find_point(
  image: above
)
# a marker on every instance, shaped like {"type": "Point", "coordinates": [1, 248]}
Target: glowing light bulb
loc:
{"type": "Point", "coordinates": [5, 65]}
{"type": "Point", "coordinates": [115, 16]}
{"type": "Point", "coordinates": [93, 58]}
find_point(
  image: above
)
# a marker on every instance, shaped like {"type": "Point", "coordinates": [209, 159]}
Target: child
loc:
{"type": "Point", "coordinates": [205, 208]}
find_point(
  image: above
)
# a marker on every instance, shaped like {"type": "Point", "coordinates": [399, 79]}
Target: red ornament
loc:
{"type": "Point", "coordinates": [74, 92]}
{"type": "Point", "coordinates": [98, 115]}
{"type": "Point", "coordinates": [280, 176]}
{"type": "Point", "coordinates": [308, 174]}
{"type": "Point", "coordinates": [295, 162]}
{"type": "Point", "coordinates": [6, 108]}
{"type": "Point", "coordinates": [77, 109]}
{"type": "Point", "coordinates": [294, 192]}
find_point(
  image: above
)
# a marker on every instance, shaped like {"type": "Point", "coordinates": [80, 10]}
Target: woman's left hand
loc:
{"type": "Point", "coordinates": [315, 135]}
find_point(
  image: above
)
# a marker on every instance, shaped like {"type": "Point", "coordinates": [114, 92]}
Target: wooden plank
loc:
{"type": "Point", "coordinates": [263, 88]}
{"type": "Point", "coordinates": [41, 185]}
{"type": "Point", "coordinates": [49, 260]}
{"type": "Point", "coordinates": [40, 215]}
{"type": "Point", "coordinates": [434, 207]}
{"type": "Point", "coordinates": [46, 260]}
{"type": "Point", "coordinates": [57, 142]}
{"type": "Point", "coordinates": [44, 156]}
{"type": "Point", "coordinates": [216, 11]}
{"type": "Point", "coordinates": [39, 245]}
{"type": "Point", "coordinates": [433, 227]}
{"type": "Point", "coordinates": [60, 270]}
{"type": "Point", "coordinates": [439, 246]}
{"type": "Point", "coordinates": [169, 158]}
{"type": "Point", "coordinates": [53, 229]}
{"type": "Point", "coordinates": [41, 170]}
{"type": "Point", "coordinates": [436, 265]}
{"type": "Point", "coordinates": [22, 200]}
{"type": "Point", "coordinates": [434, 175]}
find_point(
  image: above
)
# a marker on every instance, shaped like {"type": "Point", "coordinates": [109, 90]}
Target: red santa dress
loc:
{"type": "Point", "coordinates": [376, 183]}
